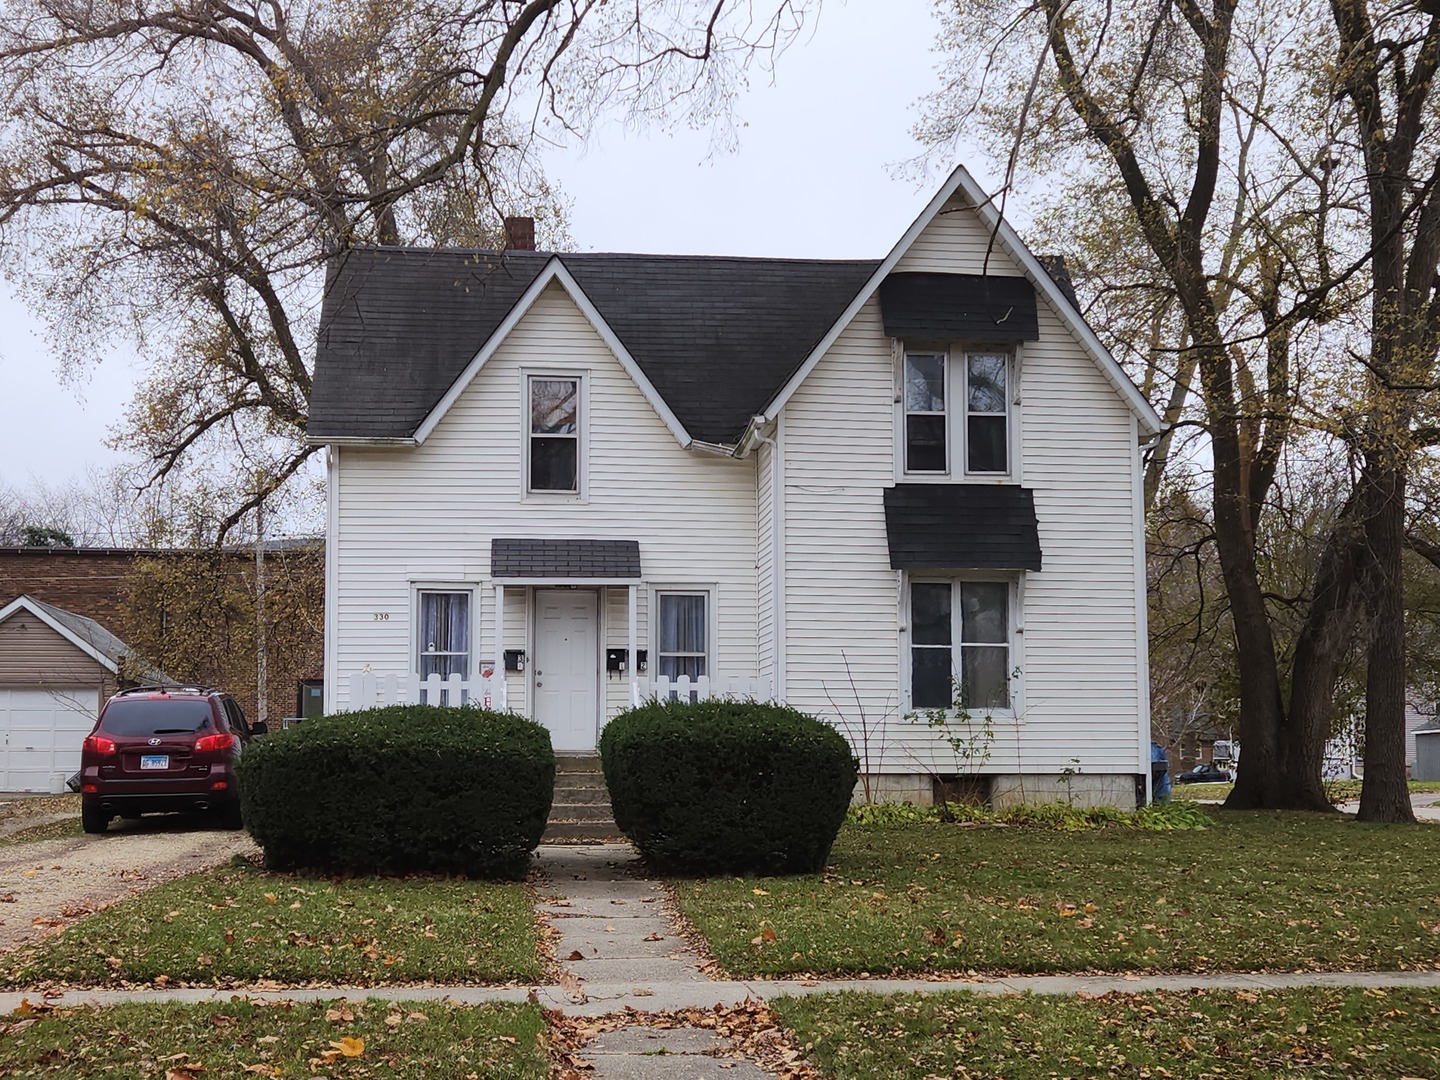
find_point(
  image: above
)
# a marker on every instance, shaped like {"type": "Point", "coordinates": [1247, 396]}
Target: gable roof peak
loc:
{"type": "Point", "coordinates": [960, 185]}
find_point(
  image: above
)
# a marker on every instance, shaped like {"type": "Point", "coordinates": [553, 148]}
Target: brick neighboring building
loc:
{"type": "Point", "coordinates": [102, 583]}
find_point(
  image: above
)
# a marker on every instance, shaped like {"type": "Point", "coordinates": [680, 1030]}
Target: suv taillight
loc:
{"type": "Point", "coordinates": [98, 744]}
{"type": "Point", "coordinates": [214, 742]}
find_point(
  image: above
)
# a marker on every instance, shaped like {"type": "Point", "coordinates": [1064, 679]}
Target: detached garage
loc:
{"type": "Point", "coordinates": [56, 668]}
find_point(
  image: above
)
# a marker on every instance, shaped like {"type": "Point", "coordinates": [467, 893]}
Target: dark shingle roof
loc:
{"type": "Point", "coordinates": [525, 558]}
{"type": "Point", "coordinates": [959, 307]}
{"type": "Point", "coordinates": [962, 527]}
{"type": "Point", "coordinates": [717, 337]}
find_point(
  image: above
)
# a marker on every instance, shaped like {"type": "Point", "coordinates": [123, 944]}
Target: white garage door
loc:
{"type": "Point", "coordinates": [40, 735]}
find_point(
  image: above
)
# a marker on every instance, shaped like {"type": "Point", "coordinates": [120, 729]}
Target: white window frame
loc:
{"type": "Point", "coordinates": [471, 589]}
{"type": "Point", "coordinates": [957, 413]}
{"type": "Point", "coordinates": [948, 413]}
{"type": "Point", "coordinates": [1015, 642]}
{"type": "Point", "coordinates": [582, 435]}
{"type": "Point", "coordinates": [656, 591]}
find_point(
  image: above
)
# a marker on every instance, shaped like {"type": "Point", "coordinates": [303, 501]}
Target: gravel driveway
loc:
{"type": "Point", "coordinates": [48, 884]}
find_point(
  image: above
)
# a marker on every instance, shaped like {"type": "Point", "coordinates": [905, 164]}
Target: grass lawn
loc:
{"type": "Point", "coordinates": [241, 1038]}
{"type": "Point", "coordinates": [1339, 790]}
{"type": "Point", "coordinates": [1259, 891]}
{"type": "Point", "coordinates": [1208, 792]}
{"type": "Point", "coordinates": [1318, 1033]}
{"type": "Point", "coordinates": [242, 924]}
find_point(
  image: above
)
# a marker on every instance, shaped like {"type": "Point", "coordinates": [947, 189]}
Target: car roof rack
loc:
{"type": "Point", "coordinates": [166, 689]}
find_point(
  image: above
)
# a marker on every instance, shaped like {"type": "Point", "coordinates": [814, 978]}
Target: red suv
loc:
{"type": "Point", "coordinates": [158, 748]}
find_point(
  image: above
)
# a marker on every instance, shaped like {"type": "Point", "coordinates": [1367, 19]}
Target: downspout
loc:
{"type": "Point", "coordinates": [777, 545]}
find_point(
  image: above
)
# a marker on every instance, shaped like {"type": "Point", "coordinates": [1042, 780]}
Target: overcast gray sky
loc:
{"type": "Point", "coordinates": [813, 177]}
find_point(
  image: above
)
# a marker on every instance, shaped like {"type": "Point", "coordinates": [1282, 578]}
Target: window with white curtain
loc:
{"type": "Point", "coordinates": [682, 639]}
{"type": "Point", "coordinates": [444, 644]}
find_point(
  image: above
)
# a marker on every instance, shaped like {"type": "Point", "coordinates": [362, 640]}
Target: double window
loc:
{"type": "Point", "coordinates": [957, 413]}
{"type": "Point", "coordinates": [553, 451]}
{"type": "Point", "coordinates": [960, 645]}
{"type": "Point", "coordinates": [444, 641]}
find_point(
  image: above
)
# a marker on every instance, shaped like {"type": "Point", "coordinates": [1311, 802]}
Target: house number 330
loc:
{"type": "Point", "coordinates": [382, 616]}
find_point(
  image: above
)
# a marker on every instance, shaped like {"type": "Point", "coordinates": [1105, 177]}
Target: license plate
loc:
{"type": "Point", "coordinates": [154, 761]}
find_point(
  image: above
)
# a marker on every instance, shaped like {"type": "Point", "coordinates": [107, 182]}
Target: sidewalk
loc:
{"type": "Point", "coordinates": [618, 949]}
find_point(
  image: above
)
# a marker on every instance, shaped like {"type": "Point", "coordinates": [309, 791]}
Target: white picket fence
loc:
{"type": "Point", "coordinates": [368, 690]}
{"type": "Point", "coordinates": [701, 689]}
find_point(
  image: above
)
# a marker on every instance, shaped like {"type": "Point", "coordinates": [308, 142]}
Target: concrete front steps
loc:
{"type": "Point", "coordinates": [581, 808]}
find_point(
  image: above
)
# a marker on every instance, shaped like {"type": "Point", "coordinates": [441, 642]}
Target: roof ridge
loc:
{"type": "Point", "coordinates": [417, 249]}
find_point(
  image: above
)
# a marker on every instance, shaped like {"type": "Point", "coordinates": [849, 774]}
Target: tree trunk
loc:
{"type": "Point", "coordinates": [1384, 795]}
{"type": "Point", "coordinates": [1324, 640]}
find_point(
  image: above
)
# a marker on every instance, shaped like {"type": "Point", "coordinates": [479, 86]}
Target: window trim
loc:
{"type": "Point", "coordinates": [957, 382]}
{"type": "Point", "coordinates": [947, 391]}
{"type": "Point", "coordinates": [581, 377]}
{"type": "Point", "coordinates": [1015, 597]}
{"type": "Point", "coordinates": [471, 589]}
{"type": "Point", "coordinates": [652, 601]}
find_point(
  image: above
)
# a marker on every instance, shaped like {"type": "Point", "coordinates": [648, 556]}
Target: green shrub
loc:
{"type": "Point", "coordinates": [401, 788]}
{"type": "Point", "coordinates": [728, 785]}
{"type": "Point", "coordinates": [1157, 817]}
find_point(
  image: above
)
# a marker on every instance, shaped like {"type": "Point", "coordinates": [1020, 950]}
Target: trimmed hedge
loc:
{"type": "Point", "coordinates": [728, 786]}
{"type": "Point", "coordinates": [401, 788]}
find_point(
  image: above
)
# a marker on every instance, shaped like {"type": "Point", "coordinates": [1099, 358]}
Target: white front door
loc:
{"type": "Point", "coordinates": [40, 735]}
{"type": "Point", "coordinates": [567, 665]}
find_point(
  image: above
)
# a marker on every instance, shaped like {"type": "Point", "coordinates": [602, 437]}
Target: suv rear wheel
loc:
{"type": "Point", "coordinates": [94, 819]}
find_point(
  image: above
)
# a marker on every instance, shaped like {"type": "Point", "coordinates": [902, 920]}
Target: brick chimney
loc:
{"type": "Point", "coordinates": [519, 234]}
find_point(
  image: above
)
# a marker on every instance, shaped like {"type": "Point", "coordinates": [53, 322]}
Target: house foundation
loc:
{"type": "Point", "coordinates": [1000, 792]}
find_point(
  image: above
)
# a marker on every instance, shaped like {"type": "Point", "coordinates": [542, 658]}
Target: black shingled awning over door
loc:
{"type": "Point", "coordinates": [962, 527]}
{"type": "Point", "coordinates": [587, 560]}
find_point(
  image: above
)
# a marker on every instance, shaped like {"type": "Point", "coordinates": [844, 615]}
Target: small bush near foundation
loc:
{"type": "Point", "coordinates": [401, 788]}
{"type": "Point", "coordinates": [728, 786]}
{"type": "Point", "coordinates": [1157, 817]}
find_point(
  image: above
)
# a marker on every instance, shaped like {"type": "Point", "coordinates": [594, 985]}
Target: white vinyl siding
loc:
{"type": "Point", "coordinates": [1081, 649]}
{"type": "Point", "coordinates": [429, 513]}
{"type": "Point", "coordinates": [955, 243]}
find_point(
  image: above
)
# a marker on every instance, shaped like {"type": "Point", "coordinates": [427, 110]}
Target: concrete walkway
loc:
{"type": "Point", "coordinates": [617, 948]}
{"type": "Point", "coordinates": [614, 997]}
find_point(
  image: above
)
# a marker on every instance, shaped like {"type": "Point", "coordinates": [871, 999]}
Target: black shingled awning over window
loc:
{"type": "Point", "coordinates": [959, 307]}
{"type": "Point", "coordinates": [962, 527]}
{"type": "Point", "coordinates": [561, 559]}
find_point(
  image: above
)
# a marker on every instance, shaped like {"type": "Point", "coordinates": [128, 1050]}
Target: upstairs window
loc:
{"type": "Point", "coordinates": [987, 434]}
{"type": "Point", "coordinates": [554, 443]}
{"type": "Point", "coordinates": [979, 427]}
{"type": "Point", "coordinates": [444, 645]}
{"type": "Point", "coordinates": [960, 645]}
{"type": "Point", "coordinates": [926, 420]}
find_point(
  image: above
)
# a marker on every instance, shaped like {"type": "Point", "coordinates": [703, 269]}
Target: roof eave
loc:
{"type": "Point", "coordinates": [361, 440]}
{"type": "Point", "coordinates": [36, 608]}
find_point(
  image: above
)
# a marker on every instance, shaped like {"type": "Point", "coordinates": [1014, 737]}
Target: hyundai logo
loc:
{"type": "Point", "coordinates": [154, 742]}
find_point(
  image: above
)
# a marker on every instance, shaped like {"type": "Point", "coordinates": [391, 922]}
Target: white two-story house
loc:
{"type": "Point", "coordinates": [869, 489]}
